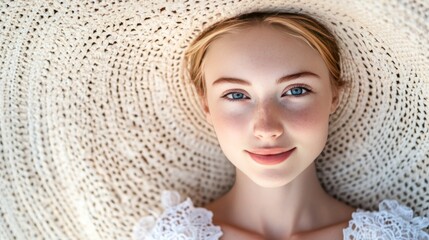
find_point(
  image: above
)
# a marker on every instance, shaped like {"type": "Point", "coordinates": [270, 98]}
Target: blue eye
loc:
{"type": "Point", "coordinates": [234, 96]}
{"type": "Point", "coordinates": [297, 91]}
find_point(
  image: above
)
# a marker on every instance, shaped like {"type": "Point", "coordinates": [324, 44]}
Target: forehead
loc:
{"type": "Point", "coordinates": [260, 50]}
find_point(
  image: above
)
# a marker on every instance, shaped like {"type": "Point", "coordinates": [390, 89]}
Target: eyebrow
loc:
{"type": "Point", "coordinates": [280, 80]}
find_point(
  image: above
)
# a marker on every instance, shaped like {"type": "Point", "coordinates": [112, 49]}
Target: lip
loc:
{"type": "Point", "coordinates": [270, 156]}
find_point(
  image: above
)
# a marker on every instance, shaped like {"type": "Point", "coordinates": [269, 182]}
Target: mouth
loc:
{"type": "Point", "coordinates": [270, 156]}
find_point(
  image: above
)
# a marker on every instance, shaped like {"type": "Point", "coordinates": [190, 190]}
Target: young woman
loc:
{"type": "Point", "coordinates": [268, 83]}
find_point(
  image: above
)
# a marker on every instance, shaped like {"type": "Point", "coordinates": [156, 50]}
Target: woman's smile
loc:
{"type": "Point", "coordinates": [268, 158]}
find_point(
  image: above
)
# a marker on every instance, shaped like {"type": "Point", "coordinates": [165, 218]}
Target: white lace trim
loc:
{"type": "Point", "coordinates": [181, 221]}
{"type": "Point", "coordinates": [392, 222]}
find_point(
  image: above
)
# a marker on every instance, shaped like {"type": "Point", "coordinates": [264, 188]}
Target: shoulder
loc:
{"type": "Point", "coordinates": [391, 221]}
{"type": "Point", "coordinates": [179, 220]}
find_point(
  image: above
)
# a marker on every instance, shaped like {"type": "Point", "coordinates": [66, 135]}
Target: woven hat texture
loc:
{"type": "Point", "coordinates": [97, 116]}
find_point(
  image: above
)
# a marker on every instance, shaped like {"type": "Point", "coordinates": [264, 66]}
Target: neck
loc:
{"type": "Point", "coordinates": [295, 207]}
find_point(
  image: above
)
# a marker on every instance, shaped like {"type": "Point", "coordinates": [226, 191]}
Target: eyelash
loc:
{"type": "Point", "coordinates": [306, 88]}
{"type": "Point", "coordinates": [233, 100]}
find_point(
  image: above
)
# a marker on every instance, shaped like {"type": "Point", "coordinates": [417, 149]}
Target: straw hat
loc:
{"type": "Point", "coordinates": [97, 116]}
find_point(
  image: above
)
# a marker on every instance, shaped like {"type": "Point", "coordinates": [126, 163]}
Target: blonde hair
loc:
{"type": "Point", "coordinates": [299, 25]}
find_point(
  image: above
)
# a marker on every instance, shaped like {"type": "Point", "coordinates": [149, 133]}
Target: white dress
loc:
{"type": "Point", "coordinates": [183, 221]}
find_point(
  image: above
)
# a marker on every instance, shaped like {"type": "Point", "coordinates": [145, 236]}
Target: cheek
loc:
{"type": "Point", "coordinates": [309, 121]}
{"type": "Point", "coordinates": [228, 121]}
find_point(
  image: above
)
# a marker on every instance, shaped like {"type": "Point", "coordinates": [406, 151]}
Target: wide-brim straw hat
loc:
{"type": "Point", "coordinates": [97, 116]}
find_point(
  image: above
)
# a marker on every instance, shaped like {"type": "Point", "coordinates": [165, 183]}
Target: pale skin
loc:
{"type": "Point", "coordinates": [283, 201]}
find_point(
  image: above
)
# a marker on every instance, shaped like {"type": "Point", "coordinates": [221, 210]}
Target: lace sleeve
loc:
{"type": "Point", "coordinates": [392, 222]}
{"type": "Point", "coordinates": [180, 221]}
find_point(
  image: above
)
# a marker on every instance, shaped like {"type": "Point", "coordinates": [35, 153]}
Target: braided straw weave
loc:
{"type": "Point", "coordinates": [96, 118]}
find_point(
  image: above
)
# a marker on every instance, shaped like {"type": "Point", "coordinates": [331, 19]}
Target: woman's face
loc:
{"type": "Point", "coordinates": [267, 92]}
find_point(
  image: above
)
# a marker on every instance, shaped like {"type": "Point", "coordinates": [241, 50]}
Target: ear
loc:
{"type": "Point", "coordinates": [335, 100]}
{"type": "Point", "coordinates": [204, 104]}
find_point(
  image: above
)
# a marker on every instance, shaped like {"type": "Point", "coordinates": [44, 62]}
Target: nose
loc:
{"type": "Point", "coordinates": [268, 124]}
